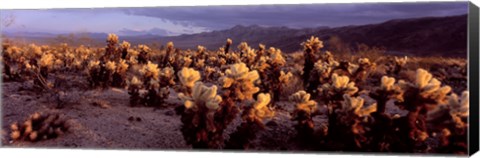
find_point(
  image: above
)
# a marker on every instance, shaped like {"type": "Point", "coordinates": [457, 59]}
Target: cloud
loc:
{"type": "Point", "coordinates": [297, 16]}
{"type": "Point", "coordinates": [153, 31]}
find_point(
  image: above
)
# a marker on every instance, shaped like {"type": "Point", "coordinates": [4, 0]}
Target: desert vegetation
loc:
{"type": "Point", "coordinates": [238, 97]}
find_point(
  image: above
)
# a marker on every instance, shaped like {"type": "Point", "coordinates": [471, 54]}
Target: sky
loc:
{"type": "Point", "coordinates": [171, 21]}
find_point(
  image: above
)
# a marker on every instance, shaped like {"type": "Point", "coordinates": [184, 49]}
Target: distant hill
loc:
{"type": "Point", "coordinates": [439, 36]}
{"type": "Point", "coordinates": [443, 36]}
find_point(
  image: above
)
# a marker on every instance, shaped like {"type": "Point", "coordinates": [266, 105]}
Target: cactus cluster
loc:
{"type": "Point", "coordinates": [39, 127]}
{"type": "Point", "coordinates": [351, 95]}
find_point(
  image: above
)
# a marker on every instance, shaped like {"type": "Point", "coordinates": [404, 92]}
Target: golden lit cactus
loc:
{"type": "Point", "coordinates": [34, 50]}
{"type": "Point", "coordinates": [240, 81]}
{"type": "Point", "coordinates": [324, 70]}
{"type": "Point", "coordinates": [401, 61]}
{"type": "Point", "coordinates": [40, 127]}
{"type": "Point", "coordinates": [134, 87]}
{"type": "Point", "coordinates": [144, 54]}
{"type": "Point", "coordinates": [310, 47]}
{"type": "Point", "coordinates": [93, 64]}
{"type": "Point", "coordinates": [313, 44]}
{"type": "Point", "coordinates": [353, 107]}
{"type": "Point", "coordinates": [276, 57]}
{"type": "Point", "coordinates": [150, 71]}
{"type": "Point", "coordinates": [303, 102]}
{"type": "Point", "coordinates": [339, 85]}
{"type": "Point", "coordinates": [199, 125]}
{"type": "Point", "coordinates": [188, 77]}
{"type": "Point", "coordinates": [428, 87]}
{"type": "Point", "coordinates": [122, 66]}
{"type": "Point", "coordinates": [202, 97]}
{"type": "Point", "coordinates": [457, 108]}
{"type": "Point", "coordinates": [200, 64]}
{"type": "Point", "coordinates": [112, 38]}
{"type": "Point", "coordinates": [243, 46]}
{"type": "Point", "coordinates": [125, 45]}
{"type": "Point", "coordinates": [46, 61]}
{"type": "Point", "coordinates": [261, 64]}
{"type": "Point", "coordinates": [387, 90]}
{"type": "Point", "coordinates": [303, 114]}
{"type": "Point", "coordinates": [252, 122]}
{"type": "Point", "coordinates": [451, 121]}
{"type": "Point", "coordinates": [167, 76]}
{"type": "Point", "coordinates": [418, 98]}
{"type": "Point", "coordinates": [111, 66]}
{"type": "Point", "coordinates": [351, 122]}
{"type": "Point", "coordinates": [260, 109]}
{"type": "Point", "coordinates": [285, 77]}
{"type": "Point", "coordinates": [227, 46]}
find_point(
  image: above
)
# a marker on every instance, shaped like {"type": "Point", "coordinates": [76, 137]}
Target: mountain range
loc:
{"type": "Point", "coordinates": [426, 36]}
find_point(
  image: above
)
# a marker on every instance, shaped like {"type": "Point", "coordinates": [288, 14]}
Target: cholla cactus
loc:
{"type": "Point", "coordinates": [118, 78]}
{"type": "Point", "coordinates": [200, 64]}
{"type": "Point", "coordinates": [401, 61]}
{"type": "Point", "coordinates": [46, 61]}
{"type": "Point", "coordinates": [125, 48]}
{"type": "Point", "coordinates": [457, 108]}
{"type": "Point", "coordinates": [40, 127]}
{"type": "Point", "coordinates": [34, 50]}
{"type": "Point", "coordinates": [398, 64]}
{"type": "Point", "coordinates": [324, 70]}
{"type": "Point", "coordinates": [260, 109]}
{"type": "Point", "coordinates": [253, 117]}
{"type": "Point", "coordinates": [276, 57]}
{"type": "Point", "coordinates": [452, 118]}
{"type": "Point", "coordinates": [428, 88]}
{"type": "Point", "coordinates": [312, 45]}
{"type": "Point", "coordinates": [227, 46]}
{"type": "Point", "coordinates": [418, 99]}
{"type": "Point", "coordinates": [111, 49]}
{"type": "Point", "coordinates": [198, 121]}
{"type": "Point", "coordinates": [112, 39]}
{"type": "Point", "coordinates": [339, 85]}
{"type": "Point", "coordinates": [111, 66]}
{"type": "Point", "coordinates": [167, 76]}
{"type": "Point", "coordinates": [303, 102]}
{"type": "Point", "coordinates": [285, 77]}
{"type": "Point", "coordinates": [150, 71]}
{"type": "Point", "coordinates": [202, 97]}
{"type": "Point", "coordinates": [94, 64]}
{"type": "Point", "coordinates": [303, 114]}
{"type": "Point", "coordinates": [209, 73]}
{"type": "Point", "coordinates": [122, 67]}
{"type": "Point", "coordinates": [352, 108]}
{"type": "Point", "coordinates": [240, 81]}
{"type": "Point", "coordinates": [349, 126]}
{"type": "Point", "coordinates": [134, 87]}
{"type": "Point", "coordinates": [387, 90]}
{"type": "Point", "coordinates": [144, 54]}
{"type": "Point", "coordinates": [188, 77]}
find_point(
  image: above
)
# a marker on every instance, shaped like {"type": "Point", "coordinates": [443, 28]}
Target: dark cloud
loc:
{"type": "Point", "coordinates": [298, 16]}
